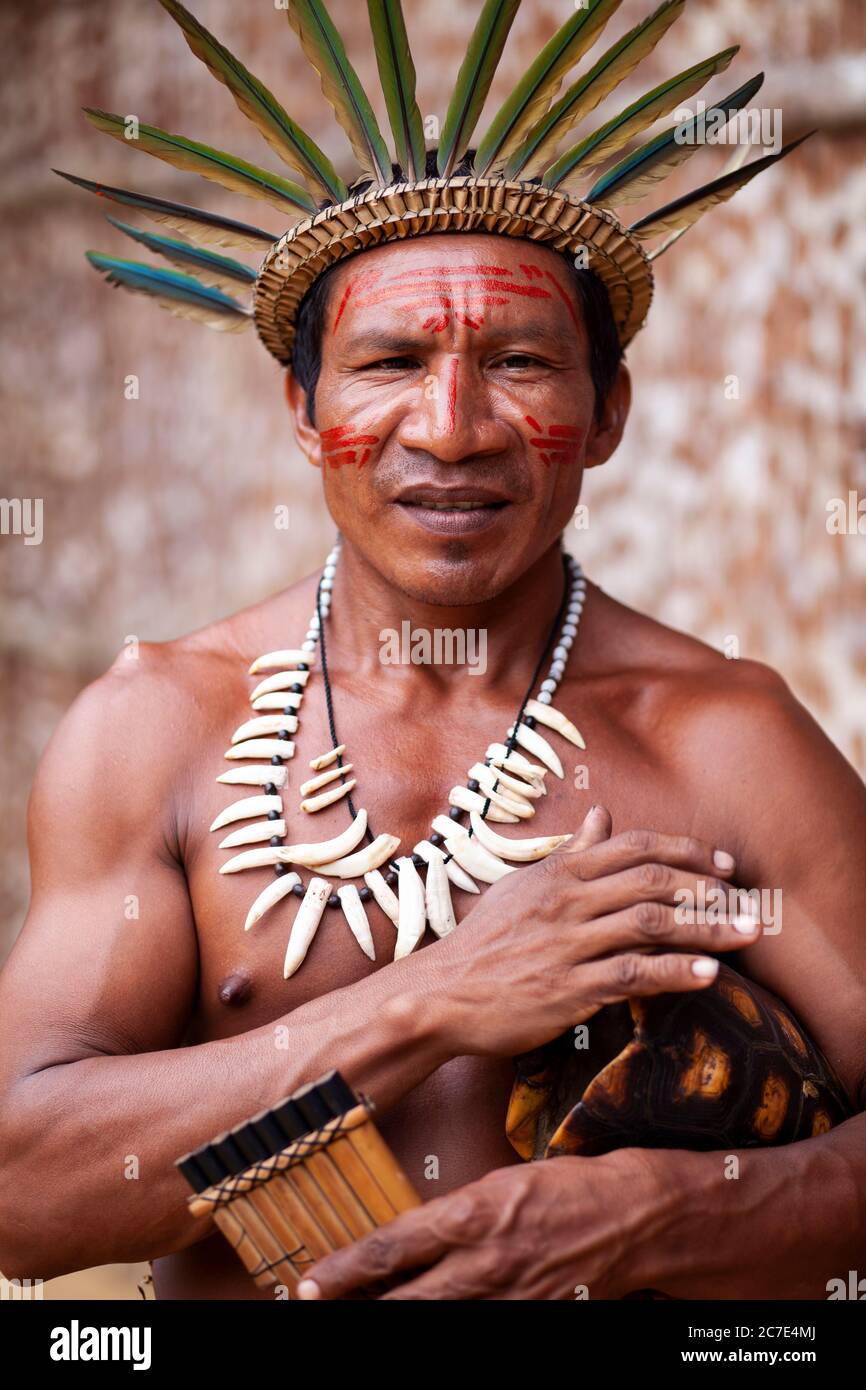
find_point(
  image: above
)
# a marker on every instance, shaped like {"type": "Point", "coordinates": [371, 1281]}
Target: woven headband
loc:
{"type": "Point", "coordinates": [517, 181]}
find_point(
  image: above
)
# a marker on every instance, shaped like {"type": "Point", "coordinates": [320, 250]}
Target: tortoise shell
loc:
{"type": "Point", "coordinates": [726, 1067]}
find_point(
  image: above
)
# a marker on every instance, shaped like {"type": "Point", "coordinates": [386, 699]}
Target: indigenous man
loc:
{"type": "Point", "coordinates": [465, 420]}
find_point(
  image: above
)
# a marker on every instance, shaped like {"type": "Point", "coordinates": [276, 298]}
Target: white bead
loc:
{"type": "Point", "coordinates": [566, 644]}
{"type": "Point", "coordinates": [314, 621]}
{"type": "Point", "coordinates": [557, 669]}
{"type": "Point", "coordinates": [312, 636]}
{"type": "Point", "coordinates": [548, 684]}
{"type": "Point", "coordinates": [308, 646]}
{"type": "Point", "coordinates": [327, 584]}
{"type": "Point", "coordinates": [570, 630]}
{"type": "Point", "coordinates": [544, 697]}
{"type": "Point", "coordinates": [560, 653]}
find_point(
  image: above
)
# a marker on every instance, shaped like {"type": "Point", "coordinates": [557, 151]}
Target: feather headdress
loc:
{"type": "Point", "coordinates": [517, 182]}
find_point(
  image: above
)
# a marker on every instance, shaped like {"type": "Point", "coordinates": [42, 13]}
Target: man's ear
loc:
{"type": "Point", "coordinates": [305, 432]}
{"type": "Point", "coordinates": [604, 436]}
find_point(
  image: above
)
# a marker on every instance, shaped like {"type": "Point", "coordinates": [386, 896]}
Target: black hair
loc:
{"type": "Point", "coordinates": [605, 352]}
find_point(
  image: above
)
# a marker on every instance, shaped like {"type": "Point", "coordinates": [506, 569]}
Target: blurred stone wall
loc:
{"type": "Point", "coordinates": [159, 512]}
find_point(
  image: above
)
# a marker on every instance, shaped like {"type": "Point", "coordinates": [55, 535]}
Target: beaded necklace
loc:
{"type": "Point", "coordinates": [502, 788]}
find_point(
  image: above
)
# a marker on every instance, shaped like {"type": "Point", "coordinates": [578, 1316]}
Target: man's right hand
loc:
{"type": "Point", "coordinates": [593, 924]}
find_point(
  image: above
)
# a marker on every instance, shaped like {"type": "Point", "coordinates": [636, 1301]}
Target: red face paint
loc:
{"type": "Point", "coordinates": [434, 286]}
{"type": "Point", "coordinates": [341, 445]}
{"type": "Point", "coordinates": [565, 299]}
{"type": "Point", "coordinates": [452, 394]}
{"type": "Point", "coordinates": [555, 443]}
{"type": "Point", "coordinates": [342, 306]}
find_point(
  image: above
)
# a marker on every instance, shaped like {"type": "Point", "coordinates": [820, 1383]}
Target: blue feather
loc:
{"type": "Point", "coordinates": [222, 267]}
{"type": "Point", "coordinates": [179, 293]}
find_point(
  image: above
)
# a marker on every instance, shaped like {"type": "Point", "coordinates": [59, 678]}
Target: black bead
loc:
{"type": "Point", "coordinates": [391, 876]}
{"type": "Point", "coordinates": [455, 813]}
{"type": "Point", "coordinates": [529, 721]}
{"type": "Point", "coordinates": [276, 840]}
{"type": "Point", "coordinates": [276, 760]}
{"type": "Point", "coordinates": [283, 734]}
{"type": "Point", "coordinates": [273, 815]}
{"type": "Point", "coordinates": [418, 860]}
{"type": "Point", "coordinates": [333, 901]}
{"type": "Point", "coordinates": [288, 710]}
{"type": "Point", "coordinates": [302, 666]}
{"type": "Point", "coordinates": [270, 789]}
{"type": "Point", "coordinates": [436, 838]}
{"type": "Point", "coordinates": [299, 890]}
{"type": "Point", "coordinates": [365, 894]}
{"type": "Point", "coordinates": [473, 784]}
{"type": "Point", "coordinates": [280, 869]}
{"type": "Point", "coordinates": [296, 689]}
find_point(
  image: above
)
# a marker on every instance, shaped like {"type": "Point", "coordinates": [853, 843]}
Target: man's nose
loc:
{"type": "Point", "coordinates": [453, 418]}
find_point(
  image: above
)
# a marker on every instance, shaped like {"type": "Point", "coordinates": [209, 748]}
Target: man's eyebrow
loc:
{"type": "Point", "coordinates": [396, 344]}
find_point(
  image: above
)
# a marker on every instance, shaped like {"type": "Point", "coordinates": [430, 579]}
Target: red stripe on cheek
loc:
{"type": "Point", "coordinates": [452, 395]}
{"type": "Point", "coordinates": [555, 443]}
{"type": "Point", "coordinates": [342, 444]}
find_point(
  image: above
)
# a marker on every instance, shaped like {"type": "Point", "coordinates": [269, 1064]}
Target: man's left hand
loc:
{"type": "Point", "coordinates": [563, 1228]}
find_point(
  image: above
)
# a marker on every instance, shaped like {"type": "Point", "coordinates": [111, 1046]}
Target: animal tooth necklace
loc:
{"type": "Point", "coordinates": [502, 788]}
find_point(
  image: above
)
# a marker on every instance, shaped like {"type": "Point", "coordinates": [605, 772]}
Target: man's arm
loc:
{"type": "Point", "coordinates": [99, 1094]}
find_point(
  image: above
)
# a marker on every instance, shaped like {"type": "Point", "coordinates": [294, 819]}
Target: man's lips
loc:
{"type": "Point", "coordinates": [452, 510]}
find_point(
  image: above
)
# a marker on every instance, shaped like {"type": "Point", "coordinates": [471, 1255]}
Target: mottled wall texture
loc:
{"type": "Point", "coordinates": [750, 381]}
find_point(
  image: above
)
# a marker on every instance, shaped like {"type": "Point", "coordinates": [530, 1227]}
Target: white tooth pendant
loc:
{"type": "Point", "coordinates": [457, 876]}
{"type": "Point", "coordinates": [255, 776]}
{"type": "Point", "coordinates": [249, 806]}
{"type": "Point", "coordinates": [325, 759]}
{"type": "Point", "coordinates": [437, 896]}
{"type": "Point", "coordinates": [465, 800]}
{"type": "Point", "coordinates": [271, 661]}
{"type": "Point", "coordinates": [372, 856]}
{"type": "Point", "coordinates": [313, 785]}
{"type": "Point", "coordinates": [265, 724]}
{"type": "Point", "coordinates": [353, 910]}
{"type": "Point", "coordinates": [475, 859]}
{"type": "Point", "coordinates": [487, 776]}
{"type": "Point", "coordinates": [552, 719]}
{"type": "Point", "coordinates": [254, 834]}
{"type": "Point", "coordinates": [256, 859]}
{"type": "Point", "coordinates": [515, 762]}
{"type": "Point", "coordinates": [522, 851]}
{"type": "Point", "coordinates": [278, 699]}
{"type": "Point", "coordinates": [307, 919]}
{"type": "Point", "coordinates": [262, 748]}
{"type": "Point", "coordinates": [318, 803]}
{"type": "Point", "coordinates": [383, 894]}
{"type": "Point", "coordinates": [312, 855]}
{"type": "Point", "coordinates": [410, 895]}
{"type": "Point", "coordinates": [281, 680]}
{"type": "Point", "coordinates": [269, 897]}
{"type": "Point", "coordinates": [535, 743]}
{"type": "Point", "coordinates": [499, 797]}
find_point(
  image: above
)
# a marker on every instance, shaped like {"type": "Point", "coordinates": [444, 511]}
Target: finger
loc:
{"type": "Point", "coordinates": [650, 925]}
{"type": "Point", "coordinates": [454, 1278]}
{"type": "Point", "coordinates": [654, 882]}
{"type": "Point", "coordinates": [596, 828]}
{"type": "Point", "coordinates": [410, 1241]}
{"type": "Point", "coordinates": [633, 847]}
{"type": "Point", "coordinates": [630, 975]}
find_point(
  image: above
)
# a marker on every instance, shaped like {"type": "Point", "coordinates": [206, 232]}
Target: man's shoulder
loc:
{"type": "Point", "coordinates": [159, 700]}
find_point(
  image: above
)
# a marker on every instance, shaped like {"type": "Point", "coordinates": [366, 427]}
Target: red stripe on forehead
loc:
{"type": "Point", "coordinates": [407, 294]}
{"type": "Point", "coordinates": [565, 299]}
{"type": "Point", "coordinates": [445, 270]}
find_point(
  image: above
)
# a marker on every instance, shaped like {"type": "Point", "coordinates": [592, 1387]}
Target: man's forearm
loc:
{"type": "Point", "coordinates": [88, 1146]}
{"type": "Point", "coordinates": [793, 1218]}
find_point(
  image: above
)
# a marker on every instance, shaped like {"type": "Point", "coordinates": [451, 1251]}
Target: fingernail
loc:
{"type": "Point", "coordinates": [705, 969]}
{"type": "Point", "coordinates": [308, 1288]}
{"type": "Point", "coordinates": [747, 925]}
{"type": "Point", "coordinates": [723, 860]}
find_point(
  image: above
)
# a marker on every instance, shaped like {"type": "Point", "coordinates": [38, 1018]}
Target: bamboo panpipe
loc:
{"type": "Point", "coordinates": [308, 1176]}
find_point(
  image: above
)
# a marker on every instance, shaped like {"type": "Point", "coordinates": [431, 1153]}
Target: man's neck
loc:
{"type": "Point", "coordinates": [371, 618]}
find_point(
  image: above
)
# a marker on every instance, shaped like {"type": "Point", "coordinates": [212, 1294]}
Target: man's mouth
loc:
{"type": "Point", "coordinates": [452, 510]}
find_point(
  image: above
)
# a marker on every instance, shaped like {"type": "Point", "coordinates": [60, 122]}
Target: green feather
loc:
{"type": "Point", "coordinates": [615, 133]}
{"type": "Point", "coordinates": [684, 212]}
{"type": "Point", "coordinates": [261, 107]}
{"type": "Point", "coordinates": [213, 164]}
{"type": "Point", "coordinates": [585, 94]}
{"type": "Point", "coordinates": [397, 75]}
{"type": "Point", "coordinates": [537, 88]}
{"type": "Point", "coordinates": [180, 294]}
{"type": "Point", "coordinates": [473, 80]}
{"type": "Point", "coordinates": [220, 272]}
{"type": "Point", "coordinates": [341, 85]}
{"type": "Point", "coordinates": [204, 228]}
{"type": "Point", "coordinates": [629, 180]}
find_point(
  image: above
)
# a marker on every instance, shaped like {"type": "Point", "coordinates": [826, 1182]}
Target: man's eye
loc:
{"type": "Point", "coordinates": [519, 359]}
{"type": "Point", "coordinates": [389, 364]}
